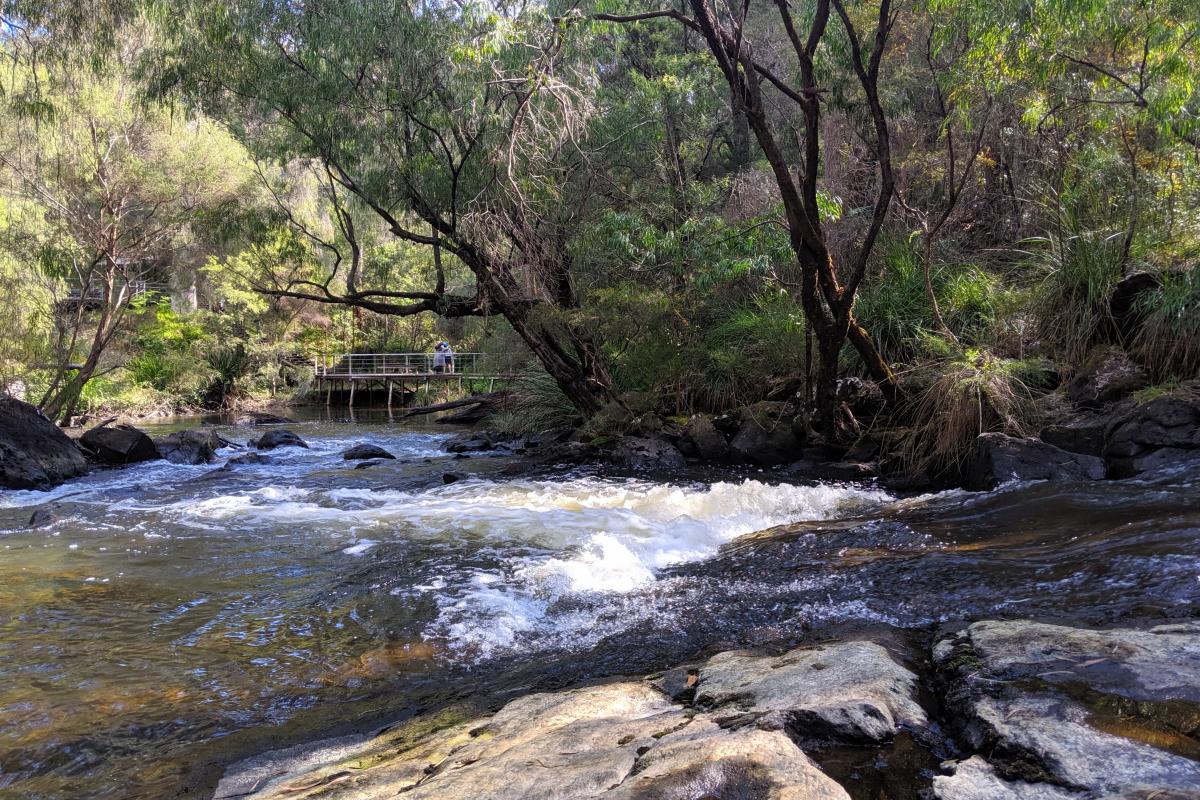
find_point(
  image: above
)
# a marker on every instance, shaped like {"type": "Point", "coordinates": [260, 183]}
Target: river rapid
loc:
{"type": "Point", "coordinates": [159, 621]}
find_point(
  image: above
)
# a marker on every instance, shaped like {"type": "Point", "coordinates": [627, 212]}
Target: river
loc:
{"type": "Point", "coordinates": [162, 620]}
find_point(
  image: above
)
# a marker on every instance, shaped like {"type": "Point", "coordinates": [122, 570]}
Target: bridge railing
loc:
{"type": "Point", "coordinates": [383, 365]}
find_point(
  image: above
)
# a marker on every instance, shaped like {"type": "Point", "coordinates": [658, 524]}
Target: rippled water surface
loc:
{"type": "Point", "coordinates": [161, 619]}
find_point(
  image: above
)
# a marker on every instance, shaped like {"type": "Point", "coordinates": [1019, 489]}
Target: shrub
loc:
{"type": "Point", "coordinates": [1168, 342]}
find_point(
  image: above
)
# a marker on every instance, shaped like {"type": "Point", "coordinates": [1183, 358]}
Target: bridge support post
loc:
{"type": "Point", "coordinates": [389, 383]}
{"type": "Point", "coordinates": [351, 393]}
{"type": "Point", "coordinates": [328, 392]}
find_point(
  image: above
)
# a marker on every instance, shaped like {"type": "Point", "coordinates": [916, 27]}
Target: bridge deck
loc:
{"type": "Point", "coordinates": [386, 369]}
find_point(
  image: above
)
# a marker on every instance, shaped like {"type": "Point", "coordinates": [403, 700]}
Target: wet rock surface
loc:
{"type": "Point", "coordinates": [191, 446]}
{"type": "Point", "coordinates": [999, 458]}
{"type": "Point", "coordinates": [1074, 712]}
{"type": "Point", "coordinates": [1170, 422]}
{"type": "Point", "coordinates": [361, 452]}
{"type": "Point", "coordinates": [1037, 712]}
{"type": "Point", "coordinates": [272, 439]}
{"type": "Point", "coordinates": [119, 444]}
{"type": "Point", "coordinates": [644, 453]}
{"type": "Point", "coordinates": [33, 451]}
{"type": "Point", "coordinates": [708, 442]}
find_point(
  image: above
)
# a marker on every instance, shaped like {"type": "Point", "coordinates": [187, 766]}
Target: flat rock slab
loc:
{"type": "Point", "coordinates": [852, 691]}
{"type": "Point", "coordinates": [975, 779]}
{"type": "Point", "coordinates": [621, 741]}
{"type": "Point", "coordinates": [1101, 713]}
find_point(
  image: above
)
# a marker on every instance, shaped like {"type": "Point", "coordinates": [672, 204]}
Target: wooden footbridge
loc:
{"type": "Point", "coordinates": [365, 371]}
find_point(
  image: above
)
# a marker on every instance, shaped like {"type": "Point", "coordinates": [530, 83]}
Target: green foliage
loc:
{"type": "Point", "coordinates": [535, 404]}
{"type": "Point", "coordinates": [1168, 341]}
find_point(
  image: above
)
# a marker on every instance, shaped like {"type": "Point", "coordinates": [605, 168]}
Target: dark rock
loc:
{"type": "Point", "coordinates": [832, 470]}
{"type": "Point", "coordinates": [365, 451]}
{"type": "Point", "coordinates": [470, 415]}
{"type": "Point", "coordinates": [863, 398]}
{"type": "Point", "coordinates": [728, 423]}
{"type": "Point", "coordinates": [1124, 305]}
{"type": "Point", "coordinates": [1086, 433]}
{"type": "Point", "coordinates": [999, 458]}
{"type": "Point", "coordinates": [867, 448]}
{"type": "Point", "coordinates": [119, 444]}
{"type": "Point", "coordinates": [646, 454]}
{"type": "Point", "coordinates": [259, 418]}
{"type": "Point", "coordinates": [191, 446]}
{"type": "Point", "coordinates": [453, 477]}
{"type": "Point", "coordinates": [247, 458]}
{"type": "Point", "coordinates": [375, 462]}
{"type": "Point", "coordinates": [766, 436]}
{"type": "Point", "coordinates": [1168, 421]}
{"type": "Point", "coordinates": [1165, 459]}
{"type": "Point", "coordinates": [541, 439]}
{"type": "Point", "coordinates": [1107, 375]}
{"type": "Point", "coordinates": [272, 439]}
{"type": "Point", "coordinates": [704, 438]}
{"type": "Point", "coordinates": [40, 518]}
{"type": "Point", "coordinates": [679, 684]}
{"type": "Point", "coordinates": [474, 442]}
{"type": "Point", "coordinates": [33, 451]}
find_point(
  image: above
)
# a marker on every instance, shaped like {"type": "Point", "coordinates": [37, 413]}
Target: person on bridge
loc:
{"type": "Point", "coordinates": [443, 357]}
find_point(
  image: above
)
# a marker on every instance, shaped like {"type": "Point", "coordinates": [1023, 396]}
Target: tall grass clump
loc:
{"type": "Point", "coordinates": [1078, 270]}
{"type": "Point", "coordinates": [972, 393]}
{"type": "Point", "coordinates": [534, 404]}
{"type": "Point", "coordinates": [1168, 342]}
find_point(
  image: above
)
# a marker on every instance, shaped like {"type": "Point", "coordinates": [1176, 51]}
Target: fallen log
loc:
{"type": "Point", "coordinates": [491, 398]}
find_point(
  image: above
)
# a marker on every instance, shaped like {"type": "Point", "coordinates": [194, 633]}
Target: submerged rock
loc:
{"type": "Point", "coordinates": [1105, 712]}
{"type": "Point", "coordinates": [849, 692]}
{"type": "Point", "coordinates": [119, 444]}
{"type": "Point", "coordinates": [33, 451]}
{"type": "Point", "coordinates": [619, 741]}
{"type": "Point", "coordinates": [191, 446]}
{"type": "Point", "coordinates": [999, 458]}
{"type": "Point", "coordinates": [364, 451]}
{"type": "Point", "coordinates": [647, 454]}
{"type": "Point", "coordinates": [272, 439]}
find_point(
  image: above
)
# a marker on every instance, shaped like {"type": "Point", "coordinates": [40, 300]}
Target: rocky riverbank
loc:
{"type": "Point", "coordinates": [995, 710]}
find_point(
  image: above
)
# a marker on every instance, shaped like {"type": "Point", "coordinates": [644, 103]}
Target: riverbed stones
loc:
{"type": "Point", "coordinates": [849, 692]}
{"type": "Point", "coordinates": [191, 446]}
{"type": "Point", "coordinates": [1109, 713]}
{"type": "Point", "coordinates": [361, 452]}
{"type": "Point", "coordinates": [272, 439]}
{"type": "Point", "coordinates": [34, 453]}
{"type": "Point", "coordinates": [998, 458]}
{"type": "Point", "coordinates": [619, 741]}
{"type": "Point", "coordinates": [119, 444]}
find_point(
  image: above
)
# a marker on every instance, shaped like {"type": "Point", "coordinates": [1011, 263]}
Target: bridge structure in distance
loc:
{"type": "Point", "coordinates": [348, 372]}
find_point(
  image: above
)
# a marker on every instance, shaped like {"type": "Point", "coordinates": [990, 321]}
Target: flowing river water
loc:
{"type": "Point", "coordinates": [160, 620]}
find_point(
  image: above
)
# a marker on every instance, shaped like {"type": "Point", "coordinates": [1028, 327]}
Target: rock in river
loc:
{"type": "Point", "coordinates": [999, 458]}
{"type": "Point", "coordinates": [850, 692]}
{"type": "Point", "coordinates": [272, 439]}
{"type": "Point", "coordinates": [1105, 713]}
{"type": "Point", "coordinates": [619, 741]}
{"type": "Point", "coordinates": [191, 446]}
{"type": "Point", "coordinates": [33, 451]}
{"type": "Point", "coordinates": [644, 453]}
{"type": "Point", "coordinates": [362, 452]}
{"type": "Point", "coordinates": [119, 444]}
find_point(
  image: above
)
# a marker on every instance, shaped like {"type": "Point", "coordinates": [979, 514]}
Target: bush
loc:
{"type": "Point", "coordinates": [1168, 342]}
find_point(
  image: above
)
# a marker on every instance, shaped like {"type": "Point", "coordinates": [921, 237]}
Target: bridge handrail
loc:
{"type": "Point", "coordinates": [349, 365]}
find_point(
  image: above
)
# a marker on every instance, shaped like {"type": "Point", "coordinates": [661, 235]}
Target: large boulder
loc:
{"type": "Point", "coordinates": [272, 439]}
{"type": "Point", "coordinates": [707, 442]}
{"type": "Point", "coordinates": [647, 454]}
{"type": "Point", "coordinates": [619, 741]}
{"type": "Point", "coordinates": [119, 444]}
{"type": "Point", "coordinates": [361, 452]}
{"type": "Point", "coordinates": [766, 436]}
{"type": "Point", "coordinates": [1171, 421]}
{"type": "Point", "coordinates": [998, 458]}
{"type": "Point", "coordinates": [262, 418]}
{"type": "Point", "coordinates": [851, 692]}
{"type": "Point", "coordinates": [191, 446]}
{"type": "Point", "coordinates": [1108, 375]}
{"type": "Point", "coordinates": [33, 451]}
{"type": "Point", "coordinates": [1108, 713]}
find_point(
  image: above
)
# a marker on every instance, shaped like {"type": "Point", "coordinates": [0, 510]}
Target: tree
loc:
{"type": "Point", "coordinates": [453, 125]}
{"type": "Point", "coordinates": [119, 185]}
{"type": "Point", "coordinates": [828, 285]}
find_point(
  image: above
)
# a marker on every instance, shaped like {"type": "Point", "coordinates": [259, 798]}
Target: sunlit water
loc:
{"type": "Point", "coordinates": [169, 618]}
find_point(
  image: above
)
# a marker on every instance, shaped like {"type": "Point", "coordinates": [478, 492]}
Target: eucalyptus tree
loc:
{"type": "Point", "coordinates": [460, 126]}
{"type": "Point", "coordinates": [829, 278]}
{"type": "Point", "coordinates": [118, 186]}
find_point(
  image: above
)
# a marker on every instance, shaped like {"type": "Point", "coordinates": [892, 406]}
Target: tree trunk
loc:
{"type": "Point", "coordinates": [62, 405]}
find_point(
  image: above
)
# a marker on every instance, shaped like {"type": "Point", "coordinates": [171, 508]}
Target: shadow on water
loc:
{"type": "Point", "coordinates": [164, 620]}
